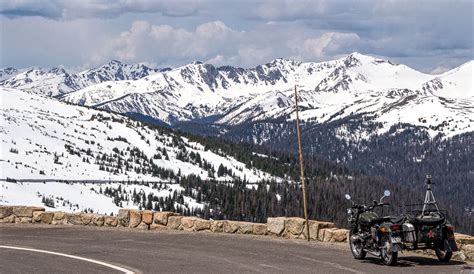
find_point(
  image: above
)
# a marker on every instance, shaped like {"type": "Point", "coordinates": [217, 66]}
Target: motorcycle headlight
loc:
{"type": "Point", "coordinates": [349, 211]}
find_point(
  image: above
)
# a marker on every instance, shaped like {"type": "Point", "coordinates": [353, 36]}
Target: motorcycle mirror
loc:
{"type": "Point", "coordinates": [348, 197]}
{"type": "Point", "coordinates": [386, 193]}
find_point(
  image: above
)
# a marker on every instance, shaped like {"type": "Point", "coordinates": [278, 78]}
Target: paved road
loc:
{"type": "Point", "coordinates": [185, 252]}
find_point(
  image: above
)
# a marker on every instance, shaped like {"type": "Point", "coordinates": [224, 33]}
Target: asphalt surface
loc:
{"type": "Point", "coordinates": [187, 252]}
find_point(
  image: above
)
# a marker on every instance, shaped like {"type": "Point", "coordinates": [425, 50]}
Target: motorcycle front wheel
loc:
{"type": "Point", "coordinates": [357, 248]}
{"type": "Point", "coordinates": [389, 257]}
{"type": "Point", "coordinates": [443, 255]}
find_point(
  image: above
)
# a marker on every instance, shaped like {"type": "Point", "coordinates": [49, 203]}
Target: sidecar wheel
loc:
{"type": "Point", "coordinates": [388, 257]}
{"type": "Point", "coordinates": [443, 255]}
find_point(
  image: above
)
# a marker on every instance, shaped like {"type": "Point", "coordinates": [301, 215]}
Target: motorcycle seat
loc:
{"type": "Point", "coordinates": [426, 220]}
{"type": "Point", "coordinates": [397, 219]}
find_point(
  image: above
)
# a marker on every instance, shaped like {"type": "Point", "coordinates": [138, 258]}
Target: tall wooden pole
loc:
{"type": "Point", "coordinates": [303, 184]}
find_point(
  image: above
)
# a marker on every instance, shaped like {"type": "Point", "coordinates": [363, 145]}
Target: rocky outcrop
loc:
{"type": "Point", "coordinates": [286, 227]}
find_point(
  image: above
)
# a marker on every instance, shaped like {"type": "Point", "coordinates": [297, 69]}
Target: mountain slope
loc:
{"type": "Point", "coordinates": [357, 84]}
{"type": "Point", "coordinates": [44, 138]}
{"type": "Point", "coordinates": [57, 81]}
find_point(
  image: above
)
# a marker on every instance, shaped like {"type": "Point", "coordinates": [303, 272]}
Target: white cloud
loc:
{"type": "Point", "coordinates": [217, 43]}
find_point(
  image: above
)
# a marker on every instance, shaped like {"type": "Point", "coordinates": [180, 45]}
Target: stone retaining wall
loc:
{"type": "Point", "coordinates": [286, 227]}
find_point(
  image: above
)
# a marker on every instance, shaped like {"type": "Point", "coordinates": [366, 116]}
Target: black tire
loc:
{"type": "Point", "coordinates": [443, 255]}
{"type": "Point", "coordinates": [356, 248]}
{"type": "Point", "coordinates": [388, 257]}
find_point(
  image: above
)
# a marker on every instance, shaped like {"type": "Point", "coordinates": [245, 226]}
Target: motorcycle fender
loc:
{"type": "Point", "coordinates": [395, 247]}
{"type": "Point", "coordinates": [450, 245]}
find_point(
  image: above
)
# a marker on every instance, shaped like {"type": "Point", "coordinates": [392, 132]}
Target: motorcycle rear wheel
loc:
{"type": "Point", "coordinates": [357, 249]}
{"type": "Point", "coordinates": [443, 255]}
{"type": "Point", "coordinates": [388, 257]}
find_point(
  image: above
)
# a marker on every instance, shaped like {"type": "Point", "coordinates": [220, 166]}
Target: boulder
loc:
{"type": "Point", "coordinates": [135, 218]}
{"type": "Point", "coordinates": [328, 234]}
{"type": "Point", "coordinates": [245, 227]}
{"type": "Point", "coordinates": [340, 235]}
{"type": "Point", "coordinates": [74, 219]}
{"type": "Point", "coordinates": [43, 217]}
{"type": "Point", "coordinates": [24, 220]}
{"type": "Point", "coordinates": [143, 226]}
{"type": "Point", "coordinates": [217, 226]}
{"type": "Point", "coordinates": [464, 239]}
{"type": "Point", "coordinates": [468, 251]}
{"type": "Point", "coordinates": [59, 215]}
{"type": "Point", "coordinates": [110, 221]}
{"type": "Point", "coordinates": [5, 211]}
{"type": "Point", "coordinates": [294, 226]}
{"type": "Point", "coordinates": [123, 217]}
{"type": "Point", "coordinates": [326, 224]}
{"type": "Point", "coordinates": [98, 219]}
{"type": "Point", "coordinates": [86, 218]}
{"type": "Point", "coordinates": [201, 224]}
{"type": "Point", "coordinates": [313, 230]}
{"type": "Point", "coordinates": [187, 223]}
{"type": "Point", "coordinates": [158, 227]}
{"type": "Point", "coordinates": [9, 219]}
{"type": "Point", "coordinates": [259, 229]}
{"type": "Point", "coordinates": [231, 226]}
{"type": "Point", "coordinates": [174, 222]}
{"type": "Point", "coordinates": [26, 211]}
{"type": "Point", "coordinates": [161, 217]}
{"type": "Point", "coordinates": [276, 226]}
{"type": "Point", "coordinates": [147, 216]}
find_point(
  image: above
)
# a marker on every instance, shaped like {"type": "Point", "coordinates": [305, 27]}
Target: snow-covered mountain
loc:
{"type": "Point", "coordinates": [43, 138]}
{"type": "Point", "coordinates": [357, 84]}
{"type": "Point", "coordinates": [57, 81]}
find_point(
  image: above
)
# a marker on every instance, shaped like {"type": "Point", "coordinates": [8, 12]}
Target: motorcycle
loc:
{"type": "Point", "coordinates": [369, 233]}
{"type": "Point", "coordinates": [428, 228]}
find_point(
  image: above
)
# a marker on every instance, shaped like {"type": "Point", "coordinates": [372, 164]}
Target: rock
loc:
{"type": "Point", "coordinates": [187, 223]}
{"type": "Point", "coordinates": [313, 230]}
{"type": "Point", "coordinates": [24, 220]}
{"type": "Point", "coordinates": [143, 226]}
{"type": "Point", "coordinates": [201, 224]}
{"type": "Point", "coordinates": [276, 225]}
{"type": "Point", "coordinates": [468, 251]}
{"type": "Point", "coordinates": [147, 216]}
{"type": "Point", "coordinates": [158, 227]}
{"type": "Point", "coordinates": [231, 226]}
{"type": "Point", "coordinates": [259, 229]}
{"type": "Point", "coordinates": [174, 222]}
{"type": "Point", "coordinates": [295, 226]}
{"type": "Point", "coordinates": [464, 239]}
{"type": "Point", "coordinates": [9, 219]}
{"type": "Point", "coordinates": [86, 218]}
{"type": "Point", "coordinates": [459, 256]}
{"type": "Point", "coordinates": [340, 235]}
{"type": "Point", "coordinates": [110, 221]}
{"type": "Point", "coordinates": [36, 216]}
{"type": "Point", "coordinates": [326, 224]}
{"type": "Point", "coordinates": [74, 219]}
{"type": "Point", "coordinates": [123, 217]}
{"type": "Point", "coordinates": [5, 211]}
{"type": "Point", "coordinates": [328, 234]}
{"type": "Point", "coordinates": [43, 217]}
{"type": "Point", "coordinates": [321, 234]}
{"type": "Point", "coordinates": [245, 227]}
{"type": "Point", "coordinates": [26, 211]}
{"type": "Point", "coordinates": [161, 217]}
{"type": "Point", "coordinates": [98, 219]}
{"type": "Point", "coordinates": [217, 226]}
{"type": "Point", "coordinates": [135, 218]}
{"type": "Point", "coordinates": [59, 215]}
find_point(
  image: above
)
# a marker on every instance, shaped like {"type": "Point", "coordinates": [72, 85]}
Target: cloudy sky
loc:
{"type": "Point", "coordinates": [431, 36]}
